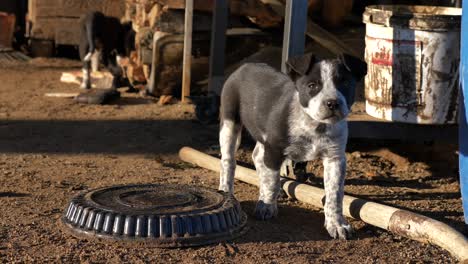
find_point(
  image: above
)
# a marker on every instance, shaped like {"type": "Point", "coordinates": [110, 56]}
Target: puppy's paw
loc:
{"type": "Point", "coordinates": [265, 211]}
{"type": "Point", "coordinates": [338, 228]}
{"type": "Point", "coordinates": [225, 188]}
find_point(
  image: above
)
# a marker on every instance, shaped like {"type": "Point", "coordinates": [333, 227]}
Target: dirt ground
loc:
{"type": "Point", "coordinates": [52, 149]}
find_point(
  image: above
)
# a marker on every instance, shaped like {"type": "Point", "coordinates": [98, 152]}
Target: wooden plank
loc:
{"type": "Point", "coordinates": [47, 8]}
{"type": "Point", "coordinates": [75, 8]}
{"type": "Point", "coordinates": [364, 126]}
{"type": "Point", "coordinates": [61, 95]}
{"type": "Point", "coordinates": [261, 13]}
{"type": "Point", "coordinates": [67, 31]}
{"type": "Point", "coordinates": [44, 28]}
{"type": "Point", "coordinates": [98, 79]}
{"type": "Point", "coordinates": [22, 56]}
{"type": "Point", "coordinates": [9, 57]}
{"type": "Point", "coordinates": [186, 76]}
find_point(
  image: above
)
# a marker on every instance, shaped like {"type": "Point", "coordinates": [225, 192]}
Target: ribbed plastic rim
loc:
{"type": "Point", "coordinates": [225, 220]}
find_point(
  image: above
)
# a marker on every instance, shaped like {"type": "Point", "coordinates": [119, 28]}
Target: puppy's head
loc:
{"type": "Point", "coordinates": [326, 88]}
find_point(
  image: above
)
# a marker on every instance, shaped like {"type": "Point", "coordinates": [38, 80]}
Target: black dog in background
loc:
{"type": "Point", "coordinates": [104, 40]}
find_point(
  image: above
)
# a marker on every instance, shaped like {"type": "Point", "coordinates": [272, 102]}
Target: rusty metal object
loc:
{"type": "Point", "coordinates": [7, 26]}
{"type": "Point", "coordinates": [167, 56]}
{"type": "Point", "coordinates": [161, 40]}
{"type": "Point", "coordinates": [401, 222]}
{"type": "Point", "coordinates": [427, 230]}
{"type": "Point", "coordinates": [412, 54]}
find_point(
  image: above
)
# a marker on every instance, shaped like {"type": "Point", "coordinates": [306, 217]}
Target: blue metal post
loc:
{"type": "Point", "coordinates": [218, 44]}
{"type": "Point", "coordinates": [463, 122]}
{"type": "Point", "coordinates": [295, 24]}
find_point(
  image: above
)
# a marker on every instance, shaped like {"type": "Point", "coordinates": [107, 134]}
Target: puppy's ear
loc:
{"type": "Point", "coordinates": [299, 65]}
{"type": "Point", "coordinates": [357, 67]}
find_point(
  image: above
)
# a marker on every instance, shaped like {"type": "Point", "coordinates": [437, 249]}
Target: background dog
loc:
{"type": "Point", "coordinates": [104, 40]}
{"type": "Point", "coordinates": [298, 117]}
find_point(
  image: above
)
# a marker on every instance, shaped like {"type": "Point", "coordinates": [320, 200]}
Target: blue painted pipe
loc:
{"type": "Point", "coordinates": [463, 122]}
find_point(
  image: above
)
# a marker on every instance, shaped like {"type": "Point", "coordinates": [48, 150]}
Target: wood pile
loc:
{"type": "Point", "coordinates": [167, 17]}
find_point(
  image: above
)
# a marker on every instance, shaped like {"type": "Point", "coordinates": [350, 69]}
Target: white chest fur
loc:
{"type": "Point", "coordinates": [310, 139]}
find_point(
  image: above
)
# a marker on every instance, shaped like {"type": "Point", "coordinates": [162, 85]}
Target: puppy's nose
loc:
{"type": "Point", "coordinates": [332, 104]}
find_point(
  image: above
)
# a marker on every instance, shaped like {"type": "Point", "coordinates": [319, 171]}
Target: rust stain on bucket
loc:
{"type": "Point", "coordinates": [412, 53]}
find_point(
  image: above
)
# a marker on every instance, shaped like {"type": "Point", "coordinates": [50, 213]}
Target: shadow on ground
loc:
{"type": "Point", "coordinates": [103, 136]}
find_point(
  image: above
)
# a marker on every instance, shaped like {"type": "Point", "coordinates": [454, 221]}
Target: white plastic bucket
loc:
{"type": "Point", "coordinates": [413, 54]}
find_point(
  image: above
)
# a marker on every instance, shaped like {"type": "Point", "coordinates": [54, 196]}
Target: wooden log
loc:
{"type": "Point", "coordinates": [187, 62]}
{"type": "Point", "coordinates": [61, 95]}
{"type": "Point", "coordinates": [98, 79]}
{"type": "Point", "coordinates": [397, 221]}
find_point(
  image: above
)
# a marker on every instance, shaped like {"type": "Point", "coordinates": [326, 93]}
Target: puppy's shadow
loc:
{"type": "Point", "coordinates": [122, 101]}
{"type": "Point", "coordinates": [293, 224]}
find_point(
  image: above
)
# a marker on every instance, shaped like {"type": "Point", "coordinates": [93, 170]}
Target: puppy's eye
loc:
{"type": "Point", "coordinates": [312, 85]}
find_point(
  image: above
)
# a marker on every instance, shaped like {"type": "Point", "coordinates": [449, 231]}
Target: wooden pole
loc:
{"type": "Point", "coordinates": [186, 77]}
{"type": "Point", "coordinates": [397, 221]}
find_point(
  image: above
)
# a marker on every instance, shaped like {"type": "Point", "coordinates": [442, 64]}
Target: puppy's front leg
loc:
{"type": "Point", "coordinates": [334, 175]}
{"type": "Point", "coordinates": [268, 165]}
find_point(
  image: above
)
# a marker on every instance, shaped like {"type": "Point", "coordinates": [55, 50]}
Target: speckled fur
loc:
{"type": "Point", "coordinates": [291, 118]}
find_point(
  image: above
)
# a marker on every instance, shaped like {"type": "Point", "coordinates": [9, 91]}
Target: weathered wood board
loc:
{"type": "Point", "coordinates": [98, 79]}
{"type": "Point", "coordinates": [67, 31]}
{"type": "Point", "coordinates": [58, 20]}
{"type": "Point", "coordinates": [75, 8]}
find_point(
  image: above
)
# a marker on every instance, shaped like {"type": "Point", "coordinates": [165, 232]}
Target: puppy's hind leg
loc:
{"type": "Point", "coordinates": [267, 162]}
{"type": "Point", "coordinates": [95, 58]}
{"type": "Point", "coordinates": [229, 140]}
{"type": "Point", "coordinates": [86, 83]}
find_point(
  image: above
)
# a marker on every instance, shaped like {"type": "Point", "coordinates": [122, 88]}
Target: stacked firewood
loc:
{"type": "Point", "coordinates": [167, 17]}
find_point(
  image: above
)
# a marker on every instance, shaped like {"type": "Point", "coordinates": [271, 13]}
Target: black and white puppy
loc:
{"type": "Point", "coordinates": [104, 40]}
{"type": "Point", "coordinates": [298, 117]}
